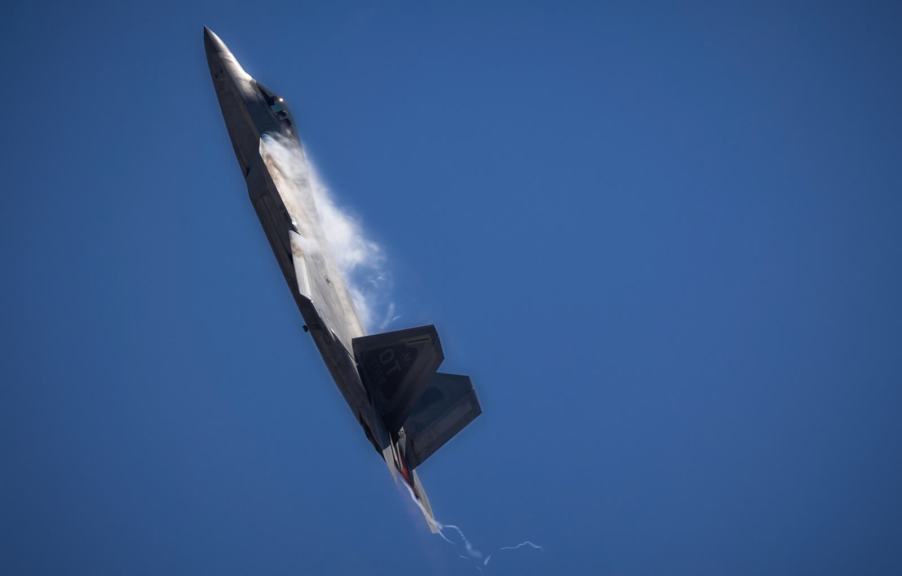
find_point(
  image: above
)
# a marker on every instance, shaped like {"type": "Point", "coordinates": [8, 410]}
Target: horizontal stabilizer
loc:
{"type": "Point", "coordinates": [396, 367]}
{"type": "Point", "coordinates": [444, 409]}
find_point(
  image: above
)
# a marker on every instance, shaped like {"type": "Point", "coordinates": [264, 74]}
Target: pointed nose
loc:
{"type": "Point", "coordinates": [220, 58]}
{"type": "Point", "coordinates": [212, 42]}
{"type": "Point", "coordinates": [214, 47]}
{"type": "Point", "coordinates": [223, 64]}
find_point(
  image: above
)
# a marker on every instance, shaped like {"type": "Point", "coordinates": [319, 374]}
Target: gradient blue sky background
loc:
{"type": "Point", "coordinates": [664, 241]}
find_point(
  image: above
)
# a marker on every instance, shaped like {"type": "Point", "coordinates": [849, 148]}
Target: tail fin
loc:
{"type": "Point", "coordinates": [442, 410]}
{"type": "Point", "coordinates": [422, 409]}
{"type": "Point", "coordinates": [396, 367]}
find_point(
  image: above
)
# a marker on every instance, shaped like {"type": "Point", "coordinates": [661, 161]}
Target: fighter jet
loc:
{"type": "Point", "coordinates": [407, 409]}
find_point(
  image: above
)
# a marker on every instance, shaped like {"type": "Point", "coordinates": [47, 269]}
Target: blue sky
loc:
{"type": "Point", "coordinates": [663, 240]}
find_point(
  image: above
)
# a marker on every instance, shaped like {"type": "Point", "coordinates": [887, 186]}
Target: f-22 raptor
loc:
{"type": "Point", "coordinates": [407, 409]}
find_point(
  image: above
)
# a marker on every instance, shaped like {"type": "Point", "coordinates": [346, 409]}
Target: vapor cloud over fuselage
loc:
{"type": "Point", "coordinates": [355, 263]}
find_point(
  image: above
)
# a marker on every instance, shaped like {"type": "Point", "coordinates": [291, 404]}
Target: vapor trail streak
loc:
{"type": "Point", "coordinates": [472, 553]}
{"type": "Point", "coordinates": [521, 545]}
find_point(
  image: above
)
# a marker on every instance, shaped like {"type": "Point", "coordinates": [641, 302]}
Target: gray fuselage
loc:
{"type": "Point", "coordinates": [251, 111]}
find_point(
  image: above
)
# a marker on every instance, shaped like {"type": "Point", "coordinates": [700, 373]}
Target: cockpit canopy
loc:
{"type": "Point", "coordinates": [276, 105]}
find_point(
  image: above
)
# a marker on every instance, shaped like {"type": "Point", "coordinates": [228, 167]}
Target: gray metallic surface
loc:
{"type": "Point", "coordinates": [248, 116]}
{"type": "Point", "coordinates": [447, 405]}
{"type": "Point", "coordinates": [390, 383]}
{"type": "Point", "coordinates": [396, 367]}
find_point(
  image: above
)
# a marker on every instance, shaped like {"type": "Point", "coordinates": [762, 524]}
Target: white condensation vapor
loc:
{"type": "Point", "coordinates": [521, 545]}
{"type": "Point", "coordinates": [470, 552]}
{"type": "Point", "coordinates": [362, 266]}
{"type": "Point", "coordinates": [359, 260]}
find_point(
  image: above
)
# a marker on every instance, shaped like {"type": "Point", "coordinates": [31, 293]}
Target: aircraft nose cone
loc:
{"type": "Point", "coordinates": [212, 42]}
{"type": "Point", "coordinates": [221, 60]}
